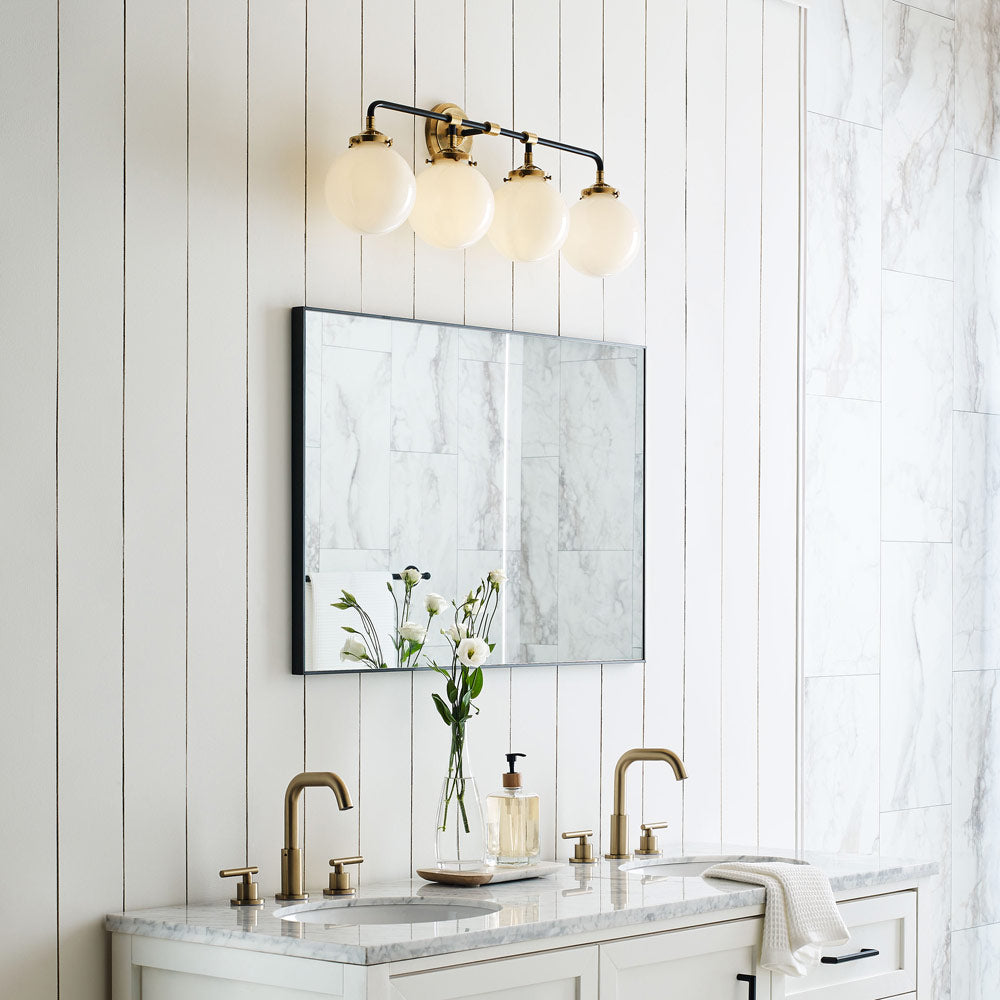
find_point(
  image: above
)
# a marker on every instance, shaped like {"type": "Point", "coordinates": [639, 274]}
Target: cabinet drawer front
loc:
{"type": "Point", "coordinates": [887, 924]}
{"type": "Point", "coordinates": [559, 975]}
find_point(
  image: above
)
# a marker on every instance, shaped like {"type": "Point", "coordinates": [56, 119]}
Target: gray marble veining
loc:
{"type": "Point", "coordinates": [569, 902]}
{"type": "Point", "coordinates": [977, 292]}
{"type": "Point", "coordinates": [425, 388]}
{"type": "Point", "coordinates": [840, 764]}
{"type": "Point", "coordinates": [975, 963]}
{"type": "Point", "coordinates": [918, 138]}
{"type": "Point", "coordinates": [978, 78]}
{"type": "Point", "coordinates": [540, 551]}
{"type": "Point", "coordinates": [976, 555]}
{"type": "Point", "coordinates": [842, 547]}
{"type": "Point", "coordinates": [595, 605]}
{"type": "Point", "coordinates": [976, 799]}
{"type": "Point", "coordinates": [843, 60]}
{"type": "Point", "coordinates": [843, 277]}
{"type": "Point", "coordinates": [916, 408]}
{"type": "Point", "coordinates": [915, 732]}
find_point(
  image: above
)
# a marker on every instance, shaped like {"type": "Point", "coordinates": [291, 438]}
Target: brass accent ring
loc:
{"type": "Point", "coordinates": [492, 128]}
{"type": "Point", "coordinates": [529, 138]}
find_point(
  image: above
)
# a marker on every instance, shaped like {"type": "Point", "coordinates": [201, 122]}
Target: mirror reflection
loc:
{"type": "Point", "coordinates": [462, 452]}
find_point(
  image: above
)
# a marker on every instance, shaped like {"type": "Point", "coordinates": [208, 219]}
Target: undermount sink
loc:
{"type": "Point", "coordinates": [383, 911]}
{"type": "Point", "coordinates": [687, 867]}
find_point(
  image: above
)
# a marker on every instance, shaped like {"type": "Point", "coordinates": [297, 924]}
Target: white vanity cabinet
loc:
{"type": "Point", "coordinates": [696, 957]}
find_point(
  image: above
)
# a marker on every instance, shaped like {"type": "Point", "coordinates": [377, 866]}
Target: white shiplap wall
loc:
{"type": "Point", "coordinates": [168, 159]}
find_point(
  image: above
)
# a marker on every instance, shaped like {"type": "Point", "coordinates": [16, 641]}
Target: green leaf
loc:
{"type": "Point", "coordinates": [452, 692]}
{"type": "Point", "coordinates": [349, 597]}
{"type": "Point", "coordinates": [389, 587]}
{"type": "Point", "coordinates": [492, 646]}
{"type": "Point", "coordinates": [347, 628]}
{"type": "Point", "coordinates": [442, 709]}
{"type": "Point", "coordinates": [340, 606]}
{"type": "Point", "coordinates": [476, 682]}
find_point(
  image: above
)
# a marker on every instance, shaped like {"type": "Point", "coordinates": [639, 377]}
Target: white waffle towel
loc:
{"type": "Point", "coordinates": [800, 914]}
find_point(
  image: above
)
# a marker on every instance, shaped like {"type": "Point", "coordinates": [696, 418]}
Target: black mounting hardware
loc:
{"type": "Point", "coordinates": [423, 576]}
{"type": "Point", "coordinates": [484, 128]}
{"type": "Point", "coordinates": [751, 981]}
{"type": "Point", "coordinates": [840, 959]}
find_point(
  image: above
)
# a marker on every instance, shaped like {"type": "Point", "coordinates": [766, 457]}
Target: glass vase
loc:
{"type": "Point", "coordinates": [459, 841]}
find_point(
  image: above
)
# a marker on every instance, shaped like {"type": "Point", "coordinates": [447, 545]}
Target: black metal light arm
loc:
{"type": "Point", "coordinates": [487, 128]}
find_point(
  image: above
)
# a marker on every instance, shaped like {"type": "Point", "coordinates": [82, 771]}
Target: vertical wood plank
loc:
{"type": "Point", "coordinates": [581, 88]}
{"type": "Point", "coordinates": [28, 289]}
{"type": "Point", "coordinates": [578, 760]}
{"type": "Point", "coordinates": [536, 109]}
{"type": "Point", "coordinates": [217, 447]}
{"type": "Point", "coordinates": [387, 287]}
{"type": "Point", "coordinates": [333, 279]}
{"type": "Point", "coordinates": [276, 275]}
{"type": "Point", "coordinates": [155, 431]}
{"type": "Point", "coordinates": [741, 426]}
{"type": "Point", "coordinates": [779, 430]}
{"type": "Point", "coordinates": [706, 151]}
{"type": "Point", "coordinates": [665, 242]}
{"type": "Point", "coordinates": [488, 94]}
{"type": "Point", "coordinates": [439, 48]}
{"type": "Point", "coordinates": [89, 442]}
{"type": "Point", "coordinates": [625, 159]}
{"type": "Point", "coordinates": [621, 722]}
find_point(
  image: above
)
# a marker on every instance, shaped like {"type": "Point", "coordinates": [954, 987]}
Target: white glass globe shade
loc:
{"type": "Point", "coordinates": [454, 205]}
{"type": "Point", "coordinates": [371, 188]}
{"type": "Point", "coordinates": [603, 236]}
{"type": "Point", "coordinates": [530, 220]}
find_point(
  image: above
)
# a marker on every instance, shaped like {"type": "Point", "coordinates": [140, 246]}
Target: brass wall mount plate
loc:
{"type": "Point", "coordinates": [436, 133]}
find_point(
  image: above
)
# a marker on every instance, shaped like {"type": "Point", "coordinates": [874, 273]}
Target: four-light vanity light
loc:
{"type": "Point", "coordinates": [371, 188]}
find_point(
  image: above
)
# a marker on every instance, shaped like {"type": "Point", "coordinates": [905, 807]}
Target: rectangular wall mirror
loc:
{"type": "Point", "coordinates": [460, 450]}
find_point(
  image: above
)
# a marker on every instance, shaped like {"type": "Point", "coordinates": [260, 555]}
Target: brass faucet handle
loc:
{"type": "Point", "coordinates": [246, 891]}
{"type": "Point", "coordinates": [647, 842]}
{"type": "Point", "coordinates": [340, 880]}
{"type": "Point", "coordinates": [583, 852]}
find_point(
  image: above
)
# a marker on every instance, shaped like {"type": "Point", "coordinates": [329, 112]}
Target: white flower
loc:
{"type": "Point", "coordinates": [435, 604]}
{"type": "Point", "coordinates": [411, 577]}
{"type": "Point", "coordinates": [354, 650]}
{"type": "Point", "coordinates": [473, 652]}
{"type": "Point", "coordinates": [455, 632]}
{"type": "Point", "coordinates": [496, 577]}
{"type": "Point", "coordinates": [412, 631]}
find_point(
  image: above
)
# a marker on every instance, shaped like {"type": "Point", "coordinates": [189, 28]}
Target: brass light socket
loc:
{"type": "Point", "coordinates": [370, 134]}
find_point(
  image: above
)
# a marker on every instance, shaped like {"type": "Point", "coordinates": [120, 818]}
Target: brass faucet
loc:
{"type": "Point", "coordinates": [619, 821]}
{"type": "Point", "coordinates": [291, 853]}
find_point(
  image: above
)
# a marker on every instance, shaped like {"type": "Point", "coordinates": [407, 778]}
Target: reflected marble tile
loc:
{"type": "Point", "coordinates": [843, 276]}
{"type": "Point", "coordinates": [926, 834]}
{"type": "Point", "coordinates": [916, 675]}
{"type": "Point", "coordinates": [976, 555]}
{"type": "Point", "coordinates": [311, 494]}
{"type": "Point", "coordinates": [844, 59]}
{"type": "Point", "coordinates": [314, 380]}
{"type": "Point", "coordinates": [842, 547]}
{"type": "Point", "coordinates": [539, 551]}
{"type": "Point", "coordinates": [978, 81]}
{"type": "Point", "coordinates": [490, 345]}
{"type": "Point", "coordinates": [596, 447]}
{"type": "Point", "coordinates": [540, 402]}
{"type": "Point", "coordinates": [976, 802]}
{"type": "Point", "coordinates": [538, 654]}
{"type": "Point", "coordinates": [362, 333]}
{"type": "Point", "coordinates": [481, 465]}
{"type": "Point", "coordinates": [354, 561]}
{"type": "Point", "coordinates": [425, 388]}
{"type": "Point", "coordinates": [916, 408]}
{"type": "Point", "coordinates": [355, 443]}
{"type": "Point", "coordinates": [977, 292]}
{"type": "Point", "coordinates": [595, 606]}
{"type": "Point", "coordinates": [975, 966]}
{"type": "Point", "coordinates": [423, 516]}
{"type": "Point", "coordinates": [918, 139]}
{"type": "Point", "coordinates": [840, 764]}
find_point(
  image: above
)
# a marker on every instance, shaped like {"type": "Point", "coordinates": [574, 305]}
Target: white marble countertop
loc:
{"type": "Point", "coordinates": [576, 899]}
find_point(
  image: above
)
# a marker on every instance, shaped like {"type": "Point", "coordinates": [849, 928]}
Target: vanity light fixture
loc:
{"type": "Point", "coordinates": [371, 189]}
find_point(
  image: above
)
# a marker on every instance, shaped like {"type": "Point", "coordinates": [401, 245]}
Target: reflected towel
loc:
{"type": "Point", "coordinates": [800, 914]}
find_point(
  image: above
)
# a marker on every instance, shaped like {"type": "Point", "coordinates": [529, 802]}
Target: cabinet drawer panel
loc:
{"type": "Point", "coordinates": [887, 924]}
{"type": "Point", "coordinates": [561, 975]}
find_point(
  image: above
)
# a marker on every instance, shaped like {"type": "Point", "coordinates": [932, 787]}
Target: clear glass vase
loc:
{"type": "Point", "coordinates": [459, 841]}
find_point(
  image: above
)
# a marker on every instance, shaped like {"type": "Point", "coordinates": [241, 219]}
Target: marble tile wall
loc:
{"type": "Point", "coordinates": [903, 348]}
{"type": "Point", "coordinates": [398, 417]}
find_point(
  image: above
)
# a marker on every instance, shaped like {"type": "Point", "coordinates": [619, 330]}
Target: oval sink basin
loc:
{"type": "Point", "coordinates": [686, 867]}
{"type": "Point", "coordinates": [384, 911]}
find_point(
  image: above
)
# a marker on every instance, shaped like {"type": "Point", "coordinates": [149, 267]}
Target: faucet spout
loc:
{"type": "Point", "coordinates": [619, 820]}
{"type": "Point", "coordinates": [291, 853]}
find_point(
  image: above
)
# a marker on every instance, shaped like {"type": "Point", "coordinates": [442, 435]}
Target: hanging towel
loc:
{"type": "Point", "coordinates": [800, 914]}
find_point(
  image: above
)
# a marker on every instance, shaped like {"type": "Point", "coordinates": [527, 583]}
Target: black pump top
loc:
{"type": "Point", "coordinates": [512, 761]}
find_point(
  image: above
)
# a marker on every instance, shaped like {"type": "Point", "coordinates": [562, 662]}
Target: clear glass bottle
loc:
{"type": "Point", "coordinates": [512, 821]}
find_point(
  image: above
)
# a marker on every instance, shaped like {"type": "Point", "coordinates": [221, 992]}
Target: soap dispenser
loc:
{"type": "Point", "coordinates": [512, 821]}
